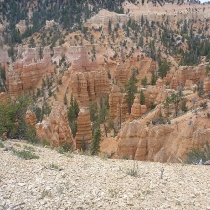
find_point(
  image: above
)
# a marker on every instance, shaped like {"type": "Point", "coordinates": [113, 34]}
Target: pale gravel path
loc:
{"type": "Point", "coordinates": [93, 183]}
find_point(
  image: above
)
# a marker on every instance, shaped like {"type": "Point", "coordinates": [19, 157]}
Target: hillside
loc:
{"type": "Point", "coordinates": [74, 181]}
{"type": "Point", "coordinates": [131, 76]}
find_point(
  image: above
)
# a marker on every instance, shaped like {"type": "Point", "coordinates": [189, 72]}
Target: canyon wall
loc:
{"type": "Point", "coordinates": [28, 70]}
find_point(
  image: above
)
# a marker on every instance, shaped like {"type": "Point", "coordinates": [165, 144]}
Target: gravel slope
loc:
{"type": "Point", "coordinates": [85, 182]}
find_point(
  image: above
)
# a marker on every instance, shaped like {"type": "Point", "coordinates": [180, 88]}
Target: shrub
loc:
{"type": "Point", "coordinates": [54, 166]}
{"type": "Point", "coordinates": [196, 156]}
{"type": "Point", "coordinates": [84, 145]}
{"type": "Point", "coordinates": [31, 136]}
{"type": "Point", "coordinates": [133, 171]}
{"type": "Point", "coordinates": [66, 147]}
{"type": "Point", "coordinates": [60, 150]}
{"type": "Point", "coordinates": [204, 105]}
{"type": "Point", "coordinates": [184, 107]}
{"type": "Point", "coordinates": [45, 143]}
{"type": "Point", "coordinates": [152, 105]}
{"type": "Point", "coordinates": [29, 148]}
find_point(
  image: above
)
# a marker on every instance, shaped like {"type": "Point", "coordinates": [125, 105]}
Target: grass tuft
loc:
{"type": "Point", "coordinates": [54, 166]}
{"type": "Point", "coordinates": [27, 155]}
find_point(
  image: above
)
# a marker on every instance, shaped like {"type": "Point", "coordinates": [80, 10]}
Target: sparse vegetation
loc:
{"type": "Point", "coordinates": [44, 194]}
{"type": "Point", "coordinates": [24, 154]}
{"type": "Point", "coordinates": [1, 145]}
{"type": "Point", "coordinates": [54, 166]}
{"type": "Point", "coordinates": [133, 171]}
{"type": "Point", "coordinates": [203, 105]}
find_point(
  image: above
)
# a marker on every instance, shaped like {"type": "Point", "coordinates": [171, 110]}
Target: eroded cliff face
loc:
{"type": "Point", "coordinates": [163, 143]}
{"type": "Point", "coordinates": [55, 128]}
{"type": "Point", "coordinates": [28, 70]}
{"type": "Point", "coordinates": [88, 86]}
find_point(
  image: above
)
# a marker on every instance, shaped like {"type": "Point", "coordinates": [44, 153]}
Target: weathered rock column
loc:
{"type": "Point", "coordinates": [84, 131]}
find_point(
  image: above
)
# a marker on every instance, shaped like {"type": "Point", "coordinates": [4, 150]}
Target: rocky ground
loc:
{"type": "Point", "coordinates": [75, 181]}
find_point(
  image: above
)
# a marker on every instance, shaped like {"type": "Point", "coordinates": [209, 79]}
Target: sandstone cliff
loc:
{"type": "Point", "coordinates": [163, 143]}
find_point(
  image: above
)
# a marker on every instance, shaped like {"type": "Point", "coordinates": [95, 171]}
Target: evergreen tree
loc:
{"type": "Point", "coordinates": [95, 145]}
{"type": "Point", "coordinates": [164, 67]}
{"type": "Point", "coordinates": [110, 27]}
{"type": "Point", "coordinates": [175, 99]}
{"type": "Point", "coordinates": [153, 78]}
{"type": "Point", "coordinates": [144, 81]}
{"type": "Point", "coordinates": [72, 114]}
{"type": "Point", "coordinates": [65, 100]}
{"type": "Point", "coordinates": [131, 89]}
{"type": "Point", "coordinates": [142, 98]}
{"type": "Point", "coordinates": [12, 117]}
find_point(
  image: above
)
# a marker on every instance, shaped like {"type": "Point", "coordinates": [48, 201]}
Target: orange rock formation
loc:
{"type": "Point", "coordinates": [163, 143]}
{"type": "Point", "coordinates": [84, 132]}
{"type": "Point", "coordinates": [88, 86]}
{"type": "Point", "coordinates": [30, 118]}
{"type": "Point", "coordinates": [28, 71]}
{"type": "Point", "coordinates": [55, 128]}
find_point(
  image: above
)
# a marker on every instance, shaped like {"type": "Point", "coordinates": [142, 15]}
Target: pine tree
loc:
{"type": "Point", "coordinates": [131, 89]}
{"type": "Point", "coordinates": [164, 67]}
{"type": "Point", "coordinates": [144, 81]}
{"type": "Point", "coordinates": [65, 100]}
{"type": "Point", "coordinates": [153, 78]}
{"type": "Point", "coordinates": [95, 146]}
{"type": "Point", "coordinates": [142, 98]}
{"type": "Point", "coordinates": [110, 27]}
{"type": "Point", "coordinates": [12, 117]}
{"type": "Point", "coordinates": [72, 114]}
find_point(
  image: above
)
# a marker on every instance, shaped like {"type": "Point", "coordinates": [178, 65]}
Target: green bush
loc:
{"type": "Point", "coordinates": [66, 147]}
{"type": "Point", "coordinates": [84, 145]}
{"type": "Point", "coordinates": [45, 143]}
{"type": "Point", "coordinates": [30, 135]}
{"type": "Point", "coordinates": [196, 156]}
{"type": "Point", "coordinates": [152, 105]}
{"type": "Point", "coordinates": [204, 105]}
{"type": "Point", "coordinates": [12, 117]}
